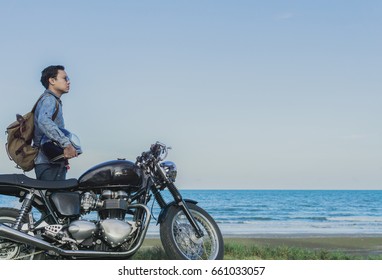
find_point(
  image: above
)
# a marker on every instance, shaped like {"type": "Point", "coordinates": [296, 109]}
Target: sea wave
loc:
{"type": "Point", "coordinates": [267, 212]}
{"type": "Point", "coordinates": [319, 219]}
{"type": "Point", "coordinates": [369, 219]}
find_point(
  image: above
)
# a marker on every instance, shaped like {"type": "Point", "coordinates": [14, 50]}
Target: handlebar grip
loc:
{"type": "Point", "coordinates": [155, 149]}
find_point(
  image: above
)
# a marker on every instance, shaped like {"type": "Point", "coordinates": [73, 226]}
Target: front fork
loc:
{"type": "Point", "coordinates": [178, 200]}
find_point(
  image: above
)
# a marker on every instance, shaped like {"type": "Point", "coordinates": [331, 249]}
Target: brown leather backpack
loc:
{"type": "Point", "coordinates": [19, 139]}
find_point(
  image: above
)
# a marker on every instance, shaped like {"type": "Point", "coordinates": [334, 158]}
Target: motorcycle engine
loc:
{"type": "Point", "coordinates": [112, 207]}
{"type": "Point", "coordinates": [110, 204]}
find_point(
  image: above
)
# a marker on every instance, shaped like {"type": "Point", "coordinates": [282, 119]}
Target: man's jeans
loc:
{"type": "Point", "coordinates": [50, 172]}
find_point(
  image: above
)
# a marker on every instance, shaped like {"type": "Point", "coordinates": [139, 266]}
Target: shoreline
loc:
{"type": "Point", "coordinates": [287, 235]}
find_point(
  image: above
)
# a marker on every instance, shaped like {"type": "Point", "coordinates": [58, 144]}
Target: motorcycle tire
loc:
{"type": "Point", "coordinates": [13, 250]}
{"type": "Point", "coordinates": [180, 241]}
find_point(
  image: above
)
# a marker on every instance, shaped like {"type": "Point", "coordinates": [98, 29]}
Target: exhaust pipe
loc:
{"type": "Point", "coordinates": [21, 237]}
{"type": "Point", "coordinates": [18, 236]}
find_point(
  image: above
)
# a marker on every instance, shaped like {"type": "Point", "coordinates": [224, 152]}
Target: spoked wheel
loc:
{"type": "Point", "coordinates": [12, 250]}
{"type": "Point", "coordinates": [179, 238]}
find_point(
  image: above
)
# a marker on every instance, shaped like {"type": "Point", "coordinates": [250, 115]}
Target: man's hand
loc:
{"type": "Point", "coordinates": [70, 152]}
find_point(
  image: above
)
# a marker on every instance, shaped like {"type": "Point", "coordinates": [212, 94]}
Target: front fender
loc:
{"type": "Point", "coordinates": [163, 212]}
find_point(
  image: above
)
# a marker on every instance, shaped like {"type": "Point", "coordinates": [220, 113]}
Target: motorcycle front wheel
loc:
{"type": "Point", "coordinates": [12, 250]}
{"type": "Point", "coordinates": [179, 238]}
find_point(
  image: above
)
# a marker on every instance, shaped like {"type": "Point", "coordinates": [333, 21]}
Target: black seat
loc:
{"type": "Point", "coordinates": [26, 182]}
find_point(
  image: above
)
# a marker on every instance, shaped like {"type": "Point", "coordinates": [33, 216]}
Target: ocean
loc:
{"type": "Point", "coordinates": [267, 213]}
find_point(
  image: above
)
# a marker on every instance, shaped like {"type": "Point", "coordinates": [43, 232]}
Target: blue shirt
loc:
{"type": "Point", "coordinates": [44, 124]}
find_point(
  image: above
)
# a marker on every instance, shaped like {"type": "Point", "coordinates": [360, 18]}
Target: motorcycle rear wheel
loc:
{"type": "Point", "coordinates": [179, 238]}
{"type": "Point", "coordinates": [12, 250]}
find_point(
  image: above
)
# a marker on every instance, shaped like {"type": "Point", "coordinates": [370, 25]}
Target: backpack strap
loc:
{"type": "Point", "coordinates": [56, 112]}
{"type": "Point", "coordinates": [35, 105]}
{"type": "Point", "coordinates": [38, 100]}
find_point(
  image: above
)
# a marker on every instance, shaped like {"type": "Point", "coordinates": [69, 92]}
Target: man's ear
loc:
{"type": "Point", "coordinates": [52, 81]}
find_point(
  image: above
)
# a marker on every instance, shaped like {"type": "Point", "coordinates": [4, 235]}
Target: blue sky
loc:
{"type": "Point", "coordinates": [250, 94]}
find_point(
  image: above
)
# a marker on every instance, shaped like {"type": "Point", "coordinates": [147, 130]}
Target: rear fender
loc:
{"type": "Point", "coordinates": [12, 190]}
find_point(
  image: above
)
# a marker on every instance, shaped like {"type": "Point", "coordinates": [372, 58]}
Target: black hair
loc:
{"type": "Point", "coordinates": [50, 72]}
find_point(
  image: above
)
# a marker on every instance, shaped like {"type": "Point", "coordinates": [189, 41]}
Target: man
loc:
{"type": "Point", "coordinates": [49, 121]}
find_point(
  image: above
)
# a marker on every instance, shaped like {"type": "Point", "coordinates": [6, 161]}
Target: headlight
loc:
{"type": "Point", "coordinates": [170, 169]}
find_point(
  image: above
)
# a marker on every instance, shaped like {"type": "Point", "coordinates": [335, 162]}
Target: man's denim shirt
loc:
{"type": "Point", "coordinates": [45, 125]}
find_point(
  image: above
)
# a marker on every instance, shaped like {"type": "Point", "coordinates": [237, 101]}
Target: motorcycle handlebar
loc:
{"type": "Point", "coordinates": [158, 151]}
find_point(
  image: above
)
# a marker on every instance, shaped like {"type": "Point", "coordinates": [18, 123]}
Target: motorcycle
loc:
{"type": "Point", "coordinates": [118, 193]}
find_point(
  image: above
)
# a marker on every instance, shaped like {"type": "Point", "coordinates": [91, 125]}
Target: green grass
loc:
{"type": "Point", "coordinates": [266, 252]}
{"type": "Point", "coordinates": [237, 251]}
{"type": "Point", "coordinates": [154, 253]}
